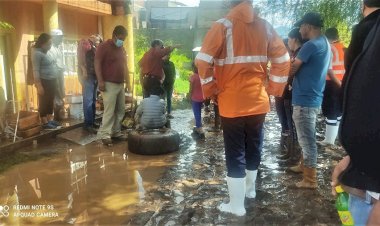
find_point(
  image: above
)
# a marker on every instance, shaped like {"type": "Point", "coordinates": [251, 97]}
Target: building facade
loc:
{"type": "Point", "coordinates": [30, 18]}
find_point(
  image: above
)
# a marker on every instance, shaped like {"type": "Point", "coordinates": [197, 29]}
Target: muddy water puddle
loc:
{"type": "Point", "coordinates": [93, 185]}
{"type": "Point", "coordinates": [81, 185]}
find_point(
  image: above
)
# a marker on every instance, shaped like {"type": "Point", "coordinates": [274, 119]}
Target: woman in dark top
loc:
{"type": "Point", "coordinates": [284, 107]}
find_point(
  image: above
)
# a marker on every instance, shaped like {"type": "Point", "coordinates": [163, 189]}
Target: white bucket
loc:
{"type": "Point", "coordinates": [76, 111]}
{"type": "Point", "coordinates": [74, 99]}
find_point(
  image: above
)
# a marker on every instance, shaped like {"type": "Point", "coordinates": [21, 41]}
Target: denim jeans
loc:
{"type": "Point", "coordinates": [360, 210]}
{"type": "Point", "coordinates": [305, 119]}
{"type": "Point", "coordinates": [197, 110]}
{"type": "Point", "coordinates": [243, 143]}
{"type": "Point", "coordinates": [89, 87]}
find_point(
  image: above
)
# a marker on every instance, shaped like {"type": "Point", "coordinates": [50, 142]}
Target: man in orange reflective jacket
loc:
{"type": "Point", "coordinates": [331, 106]}
{"type": "Point", "coordinates": [239, 48]}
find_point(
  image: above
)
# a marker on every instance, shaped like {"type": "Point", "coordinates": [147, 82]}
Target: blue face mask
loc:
{"type": "Point", "coordinates": [119, 43]}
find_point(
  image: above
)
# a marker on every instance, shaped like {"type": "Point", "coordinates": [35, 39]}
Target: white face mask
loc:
{"type": "Point", "coordinates": [119, 43]}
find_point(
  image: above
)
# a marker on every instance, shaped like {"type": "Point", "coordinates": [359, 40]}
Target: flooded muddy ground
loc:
{"type": "Point", "coordinates": [189, 192]}
{"type": "Point", "coordinates": [93, 185]}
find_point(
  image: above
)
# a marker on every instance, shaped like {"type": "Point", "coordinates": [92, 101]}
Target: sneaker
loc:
{"type": "Point", "coordinates": [49, 126]}
{"type": "Point", "coordinates": [55, 123]}
{"type": "Point", "coordinates": [107, 141]}
{"type": "Point", "coordinates": [170, 116]}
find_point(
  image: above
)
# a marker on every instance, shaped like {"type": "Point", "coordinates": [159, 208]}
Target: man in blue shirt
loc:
{"type": "Point", "coordinates": [309, 70]}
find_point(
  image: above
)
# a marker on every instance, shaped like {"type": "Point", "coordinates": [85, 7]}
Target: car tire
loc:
{"type": "Point", "coordinates": [153, 142]}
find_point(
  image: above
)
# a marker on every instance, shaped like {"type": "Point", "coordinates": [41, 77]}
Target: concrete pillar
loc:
{"type": "Point", "coordinates": [50, 15]}
{"type": "Point", "coordinates": [108, 24]}
{"type": "Point", "coordinates": [131, 49]}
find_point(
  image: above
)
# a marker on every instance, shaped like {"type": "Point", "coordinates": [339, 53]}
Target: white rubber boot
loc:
{"type": "Point", "coordinates": [236, 191]}
{"type": "Point", "coordinates": [251, 184]}
{"type": "Point", "coordinates": [331, 134]}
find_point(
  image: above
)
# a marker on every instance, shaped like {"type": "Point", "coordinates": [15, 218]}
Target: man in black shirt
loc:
{"type": "Point", "coordinates": [169, 70]}
{"type": "Point", "coordinates": [360, 33]}
{"type": "Point", "coordinates": [359, 172]}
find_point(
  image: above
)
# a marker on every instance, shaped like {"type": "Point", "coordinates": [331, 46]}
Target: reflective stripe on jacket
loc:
{"type": "Point", "coordinates": [337, 49]}
{"type": "Point", "coordinates": [240, 47]}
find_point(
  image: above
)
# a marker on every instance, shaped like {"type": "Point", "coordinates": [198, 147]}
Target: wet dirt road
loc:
{"type": "Point", "coordinates": [93, 185]}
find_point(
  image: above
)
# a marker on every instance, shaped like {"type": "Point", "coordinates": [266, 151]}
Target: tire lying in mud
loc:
{"type": "Point", "coordinates": [153, 142]}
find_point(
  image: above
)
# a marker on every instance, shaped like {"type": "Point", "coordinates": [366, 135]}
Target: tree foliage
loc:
{"type": "Point", "coordinates": [342, 14]}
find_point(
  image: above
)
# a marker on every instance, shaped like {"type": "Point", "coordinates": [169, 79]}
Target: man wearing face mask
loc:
{"type": "Point", "coordinates": [111, 71]}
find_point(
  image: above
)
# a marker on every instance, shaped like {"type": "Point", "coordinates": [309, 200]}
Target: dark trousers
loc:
{"type": "Point", "coordinates": [243, 141]}
{"type": "Point", "coordinates": [150, 82]}
{"type": "Point", "coordinates": [331, 107]}
{"type": "Point", "coordinates": [281, 113]}
{"type": "Point", "coordinates": [89, 87]}
{"type": "Point", "coordinates": [289, 118]}
{"type": "Point", "coordinates": [46, 101]}
{"type": "Point", "coordinates": [169, 94]}
{"type": "Point", "coordinates": [284, 111]}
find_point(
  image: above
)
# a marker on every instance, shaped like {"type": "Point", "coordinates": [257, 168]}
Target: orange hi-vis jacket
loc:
{"type": "Point", "coordinates": [240, 47]}
{"type": "Point", "coordinates": [337, 49]}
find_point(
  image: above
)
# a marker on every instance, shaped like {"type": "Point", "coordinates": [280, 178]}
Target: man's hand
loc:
{"type": "Point", "coordinates": [331, 75]}
{"type": "Point", "coordinates": [295, 66]}
{"type": "Point", "coordinates": [102, 86]}
{"type": "Point", "coordinates": [342, 165]}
